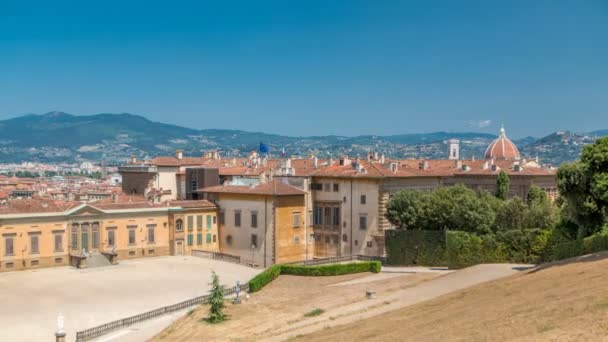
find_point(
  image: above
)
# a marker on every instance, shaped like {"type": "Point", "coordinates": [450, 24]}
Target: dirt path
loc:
{"type": "Point", "coordinates": [563, 302]}
{"type": "Point", "coordinates": [277, 312]}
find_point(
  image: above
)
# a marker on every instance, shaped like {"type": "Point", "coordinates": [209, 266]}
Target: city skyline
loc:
{"type": "Point", "coordinates": [384, 68]}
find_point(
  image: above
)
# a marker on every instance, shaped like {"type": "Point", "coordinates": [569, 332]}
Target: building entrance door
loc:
{"type": "Point", "coordinates": [179, 247]}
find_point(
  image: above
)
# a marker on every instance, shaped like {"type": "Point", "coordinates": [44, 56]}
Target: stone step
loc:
{"type": "Point", "coordinates": [97, 260]}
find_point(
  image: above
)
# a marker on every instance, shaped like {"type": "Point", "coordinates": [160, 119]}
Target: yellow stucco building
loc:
{"type": "Point", "coordinates": [38, 233]}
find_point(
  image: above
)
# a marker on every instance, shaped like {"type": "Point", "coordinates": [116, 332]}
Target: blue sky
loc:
{"type": "Point", "coordinates": [313, 67]}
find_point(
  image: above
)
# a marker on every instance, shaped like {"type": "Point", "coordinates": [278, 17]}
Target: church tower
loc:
{"type": "Point", "coordinates": [453, 149]}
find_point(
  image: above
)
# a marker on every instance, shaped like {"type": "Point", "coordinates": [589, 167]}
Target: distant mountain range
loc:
{"type": "Point", "coordinates": [57, 137]}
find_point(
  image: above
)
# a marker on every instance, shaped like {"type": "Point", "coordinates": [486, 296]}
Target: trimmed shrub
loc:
{"type": "Point", "coordinates": [415, 247]}
{"type": "Point", "coordinates": [592, 244]}
{"type": "Point", "coordinates": [264, 278]}
{"type": "Point", "coordinates": [272, 272]}
{"type": "Point", "coordinates": [465, 249]}
{"type": "Point", "coordinates": [332, 270]}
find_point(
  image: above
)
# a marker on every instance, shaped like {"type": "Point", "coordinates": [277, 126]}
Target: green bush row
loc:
{"type": "Point", "coordinates": [271, 273]}
{"type": "Point", "coordinates": [465, 249]}
{"type": "Point", "coordinates": [592, 244]}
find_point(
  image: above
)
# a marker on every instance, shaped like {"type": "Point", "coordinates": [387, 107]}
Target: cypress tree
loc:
{"type": "Point", "coordinates": [502, 185]}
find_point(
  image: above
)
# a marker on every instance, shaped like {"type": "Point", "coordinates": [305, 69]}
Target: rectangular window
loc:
{"type": "Point", "coordinates": [151, 237]}
{"type": "Point", "coordinates": [254, 219]}
{"type": "Point", "coordinates": [296, 220]}
{"type": "Point", "coordinates": [214, 238]}
{"type": "Point", "coordinates": [336, 216]}
{"type": "Point", "coordinates": [112, 238]}
{"type": "Point", "coordinates": [132, 236]}
{"type": "Point", "coordinates": [327, 218]}
{"type": "Point", "coordinates": [199, 222]}
{"type": "Point", "coordinates": [316, 186]}
{"type": "Point", "coordinates": [237, 218]}
{"type": "Point", "coordinates": [369, 244]}
{"type": "Point", "coordinates": [208, 219]}
{"type": "Point", "coordinates": [363, 199]}
{"type": "Point", "coordinates": [317, 216]}
{"type": "Point", "coordinates": [326, 187]}
{"type": "Point", "coordinates": [95, 236]}
{"type": "Point", "coordinates": [190, 239]}
{"type": "Point", "coordinates": [296, 240]}
{"type": "Point", "coordinates": [199, 239]}
{"type": "Point", "coordinates": [34, 244]}
{"type": "Point", "coordinates": [214, 219]}
{"type": "Point", "coordinates": [58, 243]}
{"type": "Point", "coordinates": [363, 222]}
{"type": "Point", "coordinates": [190, 223]}
{"type": "Point", "coordinates": [209, 238]}
{"type": "Point", "coordinates": [74, 241]}
{"type": "Point", "coordinates": [254, 241]}
{"type": "Point", "coordinates": [222, 217]}
{"type": "Point", "coordinates": [336, 187]}
{"type": "Point", "coordinates": [9, 247]}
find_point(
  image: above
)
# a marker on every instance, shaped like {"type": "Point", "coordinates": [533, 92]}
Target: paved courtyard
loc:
{"type": "Point", "coordinates": [31, 300]}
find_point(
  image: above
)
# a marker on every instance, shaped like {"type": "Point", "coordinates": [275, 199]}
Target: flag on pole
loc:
{"type": "Point", "coordinates": [264, 148]}
{"type": "Point", "coordinates": [283, 152]}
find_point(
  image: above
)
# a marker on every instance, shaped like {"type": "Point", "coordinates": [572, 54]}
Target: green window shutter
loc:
{"type": "Point", "coordinates": [199, 239]}
{"type": "Point", "coordinates": [208, 221]}
{"type": "Point", "coordinates": [190, 222]}
{"type": "Point", "coordinates": [199, 222]}
{"type": "Point", "coordinates": [190, 238]}
{"type": "Point", "coordinates": [208, 238]}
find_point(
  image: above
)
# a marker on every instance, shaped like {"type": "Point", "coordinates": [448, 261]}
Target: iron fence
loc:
{"type": "Point", "coordinates": [89, 334]}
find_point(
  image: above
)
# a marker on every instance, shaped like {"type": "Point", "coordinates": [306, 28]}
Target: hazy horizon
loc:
{"type": "Point", "coordinates": [313, 68]}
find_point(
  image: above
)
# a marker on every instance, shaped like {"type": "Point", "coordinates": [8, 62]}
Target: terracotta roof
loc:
{"type": "Point", "coordinates": [26, 206]}
{"type": "Point", "coordinates": [192, 204]}
{"type": "Point", "coordinates": [273, 188]}
{"type": "Point", "coordinates": [369, 170]}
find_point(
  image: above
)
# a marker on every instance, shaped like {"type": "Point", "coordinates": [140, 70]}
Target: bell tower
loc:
{"type": "Point", "coordinates": [453, 149]}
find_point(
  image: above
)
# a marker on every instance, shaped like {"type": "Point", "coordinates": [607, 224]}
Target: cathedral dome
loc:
{"type": "Point", "coordinates": [502, 148]}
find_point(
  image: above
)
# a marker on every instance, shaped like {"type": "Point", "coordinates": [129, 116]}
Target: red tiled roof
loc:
{"type": "Point", "coordinates": [192, 204]}
{"type": "Point", "coordinates": [26, 206]}
{"type": "Point", "coordinates": [272, 188]}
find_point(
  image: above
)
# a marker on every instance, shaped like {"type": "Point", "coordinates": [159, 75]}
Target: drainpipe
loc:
{"type": "Point", "coordinates": [265, 227]}
{"type": "Point", "coordinates": [351, 217]}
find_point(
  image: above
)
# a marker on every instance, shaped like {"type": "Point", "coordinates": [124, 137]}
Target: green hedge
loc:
{"type": "Point", "coordinates": [592, 244]}
{"type": "Point", "coordinates": [465, 249]}
{"type": "Point", "coordinates": [332, 270]}
{"type": "Point", "coordinates": [264, 278]}
{"type": "Point", "coordinates": [415, 247]}
{"type": "Point", "coordinates": [271, 273]}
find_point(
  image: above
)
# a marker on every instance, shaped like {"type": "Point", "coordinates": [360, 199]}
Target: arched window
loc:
{"type": "Point", "coordinates": [179, 225]}
{"type": "Point", "coordinates": [229, 239]}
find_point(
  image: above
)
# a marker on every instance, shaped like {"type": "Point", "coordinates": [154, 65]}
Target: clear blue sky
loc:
{"type": "Point", "coordinates": [313, 67]}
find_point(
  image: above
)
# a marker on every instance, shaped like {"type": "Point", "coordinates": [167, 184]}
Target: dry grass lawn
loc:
{"type": "Point", "coordinates": [284, 304]}
{"type": "Point", "coordinates": [567, 302]}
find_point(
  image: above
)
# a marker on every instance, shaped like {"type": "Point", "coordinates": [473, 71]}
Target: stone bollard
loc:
{"type": "Point", "coordinates": [370, 294]}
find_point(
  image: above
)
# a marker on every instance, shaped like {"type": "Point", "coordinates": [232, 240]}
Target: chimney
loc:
{"type": "Point", "coordinates": [382, 158]}
{"type": "Point", "coordinates": [179, 154]}
{"type": "Point", "coordinates": [466, 168]}
{"type": "Point", "coordinates": [375, 155]}
{"type": "Point", "coordinates": [315, 162]}
{"type": "Point", "coordinates": [133, 159]}
{"type": "Point", "coordinates": [423, 165]}
{"type": "Point", "coordinates": [485, 165]}
{"type": "Point", "coordinates": [495, 167]}
{"type": "Point", "coordinates": [517, 168]}
{"type": "Point", "coordinates": [394, 167]}
{"type": "Point", "coordinates": [288, 163]}
{"type": "Point", "coordinates": [344, 161]}
{"type": "Point", "coordinates": [264, 161]}
{"type": "Point", "coordinates": [458, 164]}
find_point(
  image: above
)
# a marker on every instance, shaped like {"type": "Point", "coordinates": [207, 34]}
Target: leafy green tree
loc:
{"type": "Point", "coordinates": [216, 301]}
{"type": "Point", "coordinates": [406, 209]}
{"type": "Point", "coordinates": [536, 195]}
{"type": "Point", "coordinates": [583, 186]}
{"type": "Point", "coordinates": [511, 215]}
{"type": "Point", "coordinates": [502, 186]}
{"type": "Point", "coordinates": [458, 208]}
